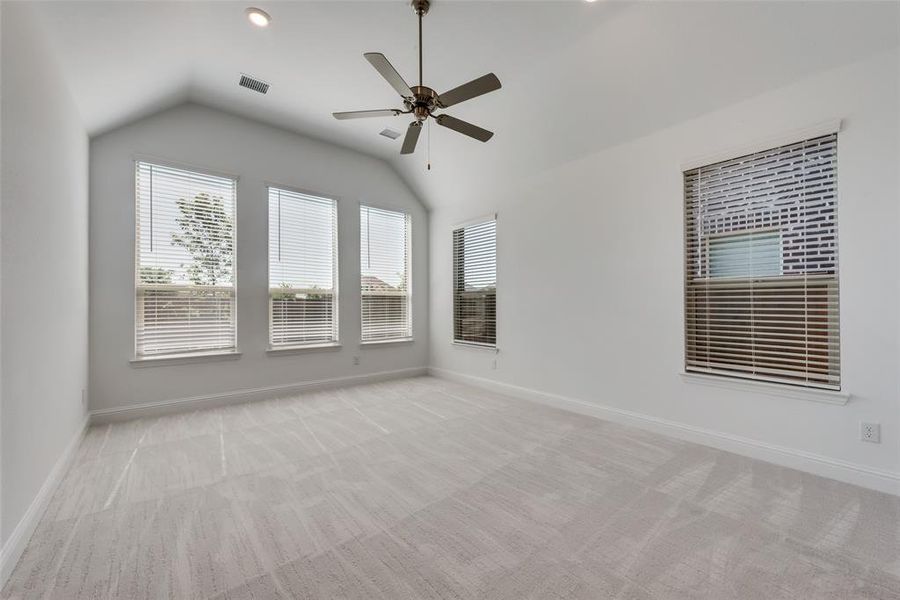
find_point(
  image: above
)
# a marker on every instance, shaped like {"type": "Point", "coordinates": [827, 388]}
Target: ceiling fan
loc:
{"type": "Point", "coordinates": [422, 101]}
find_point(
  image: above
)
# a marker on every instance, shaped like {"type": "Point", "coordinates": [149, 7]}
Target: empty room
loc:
{"type": "Point", "coordinates": [450, 300]}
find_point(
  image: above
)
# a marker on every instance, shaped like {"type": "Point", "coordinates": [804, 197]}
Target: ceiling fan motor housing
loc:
{"type": "Point", "coordinates": [424, 100]}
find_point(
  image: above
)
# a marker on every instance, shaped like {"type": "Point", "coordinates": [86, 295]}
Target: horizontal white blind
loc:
{"type": "Point", "coordinates": [302, 269]}
{"type": "Point", "coordinates": [475, 284]}
{"type": "Point", "coordinates": [761, 272]}
{"type": "Point", "coordinates": [184, 271]}
{"type": "Point", "coordinates": [384, 267]}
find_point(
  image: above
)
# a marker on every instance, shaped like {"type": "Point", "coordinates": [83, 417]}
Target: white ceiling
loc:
{"type": "Point", "coordinates": [577, 76]}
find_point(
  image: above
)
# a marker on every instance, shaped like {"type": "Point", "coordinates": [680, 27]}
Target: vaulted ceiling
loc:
{"type": "Point", "coordinates": [577, 77]}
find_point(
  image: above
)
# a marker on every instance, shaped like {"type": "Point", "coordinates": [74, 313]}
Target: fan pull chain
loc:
{"type": "Point", "coordinates": [428, 146]}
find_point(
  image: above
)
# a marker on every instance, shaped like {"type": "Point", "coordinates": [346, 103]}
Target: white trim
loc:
{"type": "Point", "coordinates": [185, 166]}
{"type": "Point", "coordinates": [759, 145]}
{"type": "Point", "coordinates": [476, 221]}
{"type": "Point", "coordinates": [15, 545]}
{"type": "Point", "coordinates": [768, 388]}
{"type": "Point", "coordinates": [299, 190]}
{"type": "Point", "coordinates": [183, 359]}
{"type": "Point", "coordinates": [856, 474]}
{"type": "Point", "coordinates": [460, 344]}
{"type": "Point", "coordinates": [286, 350]}
{"type": "Point", "coordinates": [164, 407]}
{"type": "Point", "coordinates": [386, 206]}
{"type": "Point", "coordinates": [403, 340]}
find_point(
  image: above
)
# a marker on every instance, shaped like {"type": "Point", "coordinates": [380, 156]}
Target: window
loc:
{"type": "Point", "coordinates": [384, 267]}
{"type": "Point", "coordinates": [475, 284]}
{"type": "Point", "coordinates": [761, 272]}
{"type": "Point", "coordinates": [745, 254]}
{"type": "Point", "coordinates": [184, 271]}
{"type": "Point", "coordinates": [302, 269]}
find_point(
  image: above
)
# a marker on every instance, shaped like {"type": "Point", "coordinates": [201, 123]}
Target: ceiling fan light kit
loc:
{"type": "Point", "coordinates": [423, 102]}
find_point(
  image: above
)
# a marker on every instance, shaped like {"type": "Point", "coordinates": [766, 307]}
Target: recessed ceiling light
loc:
{"type": "Point", "coordinates": [258, 17]}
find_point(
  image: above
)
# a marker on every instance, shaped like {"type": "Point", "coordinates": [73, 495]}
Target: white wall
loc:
{"type": "Point", "coordinates": [259, 154]}
{"type": "Point", "coordinates": [590, 275]}
{"type": "Point", "coordinates": [43, 211]}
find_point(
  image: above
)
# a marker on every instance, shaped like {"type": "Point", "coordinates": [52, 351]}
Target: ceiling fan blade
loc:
{"type": "Point", "coordinates": [364, 114]}
{"type": "Point", "coordinates": [387, 70]}
{"type": "Point", "coordinates": [412, 136]}
{"type": "Point", "coordinates": [473, 131]}
{"type": "Point", "coordinates": [467, 91]}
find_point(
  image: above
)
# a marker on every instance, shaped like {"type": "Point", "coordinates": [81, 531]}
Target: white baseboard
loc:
{"type": "Point", "coordinates": [876, 479]}
{"type": "Point", "coordinates": [163, 407]}
{"type": "Point", "coordinates": [21, 535]}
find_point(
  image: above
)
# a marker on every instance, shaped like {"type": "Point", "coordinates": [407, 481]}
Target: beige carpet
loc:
{"type": "Point", "coordinates": [421, 489]}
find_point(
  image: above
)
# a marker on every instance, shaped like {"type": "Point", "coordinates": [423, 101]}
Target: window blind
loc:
{"type": "Point", "coordinates": [184, 271]}
{"type": "Point", "coordinates": [303, 269]}
{"type": "Point", "coordinates": [475, 284]}
{"type": "Point", "coordinates": [384, 268]}
{"type": "Point", "coordinates": [761, 271]}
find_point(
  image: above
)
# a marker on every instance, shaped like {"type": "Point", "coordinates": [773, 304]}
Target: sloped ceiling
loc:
{"type": "Point", "coordinates": [577, 76]}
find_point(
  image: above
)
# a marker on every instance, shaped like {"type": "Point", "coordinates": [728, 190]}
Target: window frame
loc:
{"type": "Point", "coordinates": [773, 385]}
{"type": "Point", "coordinates": [461, 226]}
{"type": "Point", "coordinates": [336, 341]}
{"type": "Point", "coordinates": [190, 356]}
{"type": "Point", "coordinates": [409, 275]}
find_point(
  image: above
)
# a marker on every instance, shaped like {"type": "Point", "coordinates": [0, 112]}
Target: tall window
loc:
{"type": "Point", "coordinates": [475, 284]}
{"type": "Point", "coordinates": [761, 286]}
{"type": "Point", "coordinates": [384, 266]}
{"type": "Point", "coordinates": [184, 271]}
{"type": "Point", "coordinates": [302, 269]}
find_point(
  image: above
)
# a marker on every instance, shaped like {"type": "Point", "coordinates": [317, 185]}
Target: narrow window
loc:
{"type": "Point", "coordinates": [384, 268]}
{"type": "Point", "coordinates": [475, 284]}
{"type": "Point", "coordinates": [184, 267]}
{"type": "Point", "coordinates": [761, 270]}
{"type": "Point", "coordinates": [303, 269]}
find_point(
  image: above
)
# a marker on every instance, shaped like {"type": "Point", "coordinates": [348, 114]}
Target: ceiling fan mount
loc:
{"type": "Point", "coordinates": [423, 102]}
{"type": "Point", "coordinates": [420, 7]}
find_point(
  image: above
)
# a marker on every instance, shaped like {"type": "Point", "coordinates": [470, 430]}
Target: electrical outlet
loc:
{"type": "Point", "coordinates": [870, 432]}
{"type": "Point", "coordinates": [356, 360]}
{"type": "Point", "coordinates": [494, 364]}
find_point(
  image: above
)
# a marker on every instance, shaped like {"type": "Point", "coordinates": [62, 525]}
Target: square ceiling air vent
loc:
{"type": "Point", "coordinates": [390, 133]}
{"type": "Point", "coordinates": [251, 83]}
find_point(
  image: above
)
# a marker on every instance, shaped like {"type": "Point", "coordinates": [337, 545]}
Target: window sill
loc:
{"type": "Point", "coordinates": [288, 350]}
{"type": "Point", "coordinates": [771, 389]}
{"type": "Point", "coordinates": [473, 346]}
{"type": "Point", "coordinates": [376, 343]}
{"type": "Point", "coordinates": [183, 359]}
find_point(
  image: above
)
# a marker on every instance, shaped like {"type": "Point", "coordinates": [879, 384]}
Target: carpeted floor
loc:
{"type": "Point", "coordinates": [421, 488]}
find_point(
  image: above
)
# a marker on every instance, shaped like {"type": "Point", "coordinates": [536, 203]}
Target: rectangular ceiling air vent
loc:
{"type": "Point", "coordinates": [254, 84]}
{"type": "Point", "coordinates": [390, 133]}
